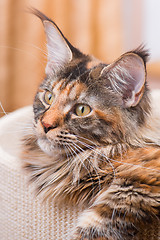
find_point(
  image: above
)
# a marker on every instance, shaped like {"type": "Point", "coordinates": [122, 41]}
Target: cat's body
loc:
{"type": "Point", "coordinates": [94, 143]}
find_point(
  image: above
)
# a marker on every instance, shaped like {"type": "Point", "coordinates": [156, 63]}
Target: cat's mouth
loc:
{"type": "Point", "coordinates": [64, 144]}
{"type": "Point", "coordinates": [51, 148]}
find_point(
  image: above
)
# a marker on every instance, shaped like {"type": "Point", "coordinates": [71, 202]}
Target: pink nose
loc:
{"type": "Point", "coordinates": [47, 127]}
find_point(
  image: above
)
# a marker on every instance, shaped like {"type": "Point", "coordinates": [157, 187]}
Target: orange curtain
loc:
{"type": "Point", "coordinates": [94, 26]}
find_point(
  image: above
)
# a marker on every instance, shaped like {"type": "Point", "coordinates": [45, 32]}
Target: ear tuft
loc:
{"type": "Point", "coordinates": [39, 14]}
{"type": "Point", "coordinates": [143, 53]}
{"type": "Point", "coordinates": [59, 48]}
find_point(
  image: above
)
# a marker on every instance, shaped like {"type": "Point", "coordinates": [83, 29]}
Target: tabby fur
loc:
{"type": "Point", "coordinates": [107, 161]}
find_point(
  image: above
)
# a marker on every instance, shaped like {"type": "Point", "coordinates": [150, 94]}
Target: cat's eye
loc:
{"type": "Point", "coordinates": [82, 110]}
{"type": "Point", "coordinates": [48, 97]}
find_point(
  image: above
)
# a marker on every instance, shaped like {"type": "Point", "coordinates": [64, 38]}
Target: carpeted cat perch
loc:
{"type": "Point", "coordinates": [23, 216]}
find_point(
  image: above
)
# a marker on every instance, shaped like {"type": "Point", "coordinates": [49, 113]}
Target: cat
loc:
{"type": "Point", "coordinates": [93, 143]}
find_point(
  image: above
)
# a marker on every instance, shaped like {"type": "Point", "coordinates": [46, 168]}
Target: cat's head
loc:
{"type": "Point", "coordinates": [83, 102]}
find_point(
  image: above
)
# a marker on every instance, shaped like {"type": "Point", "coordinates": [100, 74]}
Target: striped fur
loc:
{"type": "Point", "coordinates": [107, 161]}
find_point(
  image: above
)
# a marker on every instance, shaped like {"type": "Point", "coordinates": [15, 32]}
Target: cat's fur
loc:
{"type": "Point", "coordinates": [109, 160]}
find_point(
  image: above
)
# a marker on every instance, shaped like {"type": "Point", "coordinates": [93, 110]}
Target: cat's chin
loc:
{"type": "Point", "coordinates": [48, 148]}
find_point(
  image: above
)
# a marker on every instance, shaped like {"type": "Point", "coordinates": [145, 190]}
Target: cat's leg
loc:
{"type": "Point", "coordinates": [93, 225]}
{"type": "Point", "coordinates": [118, 213]}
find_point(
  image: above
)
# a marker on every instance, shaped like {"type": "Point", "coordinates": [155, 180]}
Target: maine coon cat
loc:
{"type": "Point", "coordinates": [92, 141]}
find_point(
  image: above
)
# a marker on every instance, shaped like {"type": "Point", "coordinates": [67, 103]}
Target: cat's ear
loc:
{"type": "Point", "coordinates": [127, 76]}
{"type": "Point", "coordinates": [59, 52]}
{"type": "Point", "coordinates": [59, 49]}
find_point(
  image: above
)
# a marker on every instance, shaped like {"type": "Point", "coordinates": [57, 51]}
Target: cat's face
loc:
{"type": "Point", "coordinates": [67, 110]}
{"type": "Point", "coordinates": [83, 102]}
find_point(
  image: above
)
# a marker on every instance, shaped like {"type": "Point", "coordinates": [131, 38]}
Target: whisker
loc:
{"type": "Point", "coordinates": [24, 51]}
{"type": "Point", "coordinates": [86, 169]}
{"type": "Point", "coordinates": [6, 113]}
{"type": "Point", "coordinates": [73, 158]}
{"type": "Point", "coordinates": [99, 153]}
{"type": "Point", "coordinates": [3, 111]}
{"type": "Point", "coordinates": [113, 160]}
{"type": "Point", "coordinates": [80, 159]}
{"type": "Point", "coordinates": [71, 162]}
{"type": "Point", "coordinates": [81, 150]}
{"type": "Point", "coordinates": [36, 47]}
{"type": "Point", "coordinates": [88, 140]}
{"type": "Point", "coordinates": [135, 165]}
{"type": "Point", "coordinates": [66, 150]}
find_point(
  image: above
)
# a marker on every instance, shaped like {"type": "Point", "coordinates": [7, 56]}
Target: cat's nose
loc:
{"type": "Point", "coordinates": [47, 127]}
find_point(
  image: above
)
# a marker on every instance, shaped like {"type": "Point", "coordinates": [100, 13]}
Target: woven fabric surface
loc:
{"type": "Point", "coordinates": [23, 216]}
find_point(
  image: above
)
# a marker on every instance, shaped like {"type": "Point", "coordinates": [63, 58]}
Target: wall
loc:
{"type": "Point", "coordinates": [92, 26]}
{"type": "Point", "coordinates": [103, 28]}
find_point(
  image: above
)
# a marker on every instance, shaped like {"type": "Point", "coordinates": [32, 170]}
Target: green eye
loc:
{"type": "Point", "coordinates": [82, 110]}
{"type": "Point", "coordinates": [48, 97]}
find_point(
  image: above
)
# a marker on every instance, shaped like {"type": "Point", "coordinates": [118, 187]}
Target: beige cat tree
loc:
{"type": "Point", "coordinates": [22, 215]}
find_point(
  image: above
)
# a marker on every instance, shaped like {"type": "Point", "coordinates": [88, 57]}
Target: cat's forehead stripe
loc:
{"type": "Point", "coordinates": [72, 90]}
{"type": "Point", "coordinates": [58, 85]}
{"type": "Point", "coordinates": [70, 86]}
{"type": "Point", "coordinates": [76, 90]}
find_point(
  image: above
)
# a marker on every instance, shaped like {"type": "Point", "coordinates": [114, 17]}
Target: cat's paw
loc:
{"type": "Point", "coordinates": [91, 226]}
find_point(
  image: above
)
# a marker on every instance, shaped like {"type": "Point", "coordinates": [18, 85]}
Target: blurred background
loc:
{"type": "Point", "coordinates": [104, 28]}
